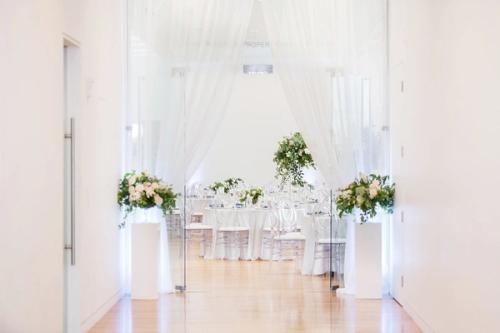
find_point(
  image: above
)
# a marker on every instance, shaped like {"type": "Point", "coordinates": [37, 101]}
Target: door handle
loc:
{"type": "Point", "coordinates": [72, 245]}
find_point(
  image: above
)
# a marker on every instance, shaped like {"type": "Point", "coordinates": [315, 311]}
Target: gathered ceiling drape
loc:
{"type": "Point", "coordinates": [330, 56]}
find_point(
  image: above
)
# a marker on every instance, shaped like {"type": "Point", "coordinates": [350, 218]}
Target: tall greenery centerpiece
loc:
{"type": "Point", "coordinates": [366, 194]}
{"type": "Point", "coordinates": [141, 190]}
{"type": "Point", "coordinates": [291, 158]}
{"type": "Point", "coordinates": [252, 195]}
{"type": "Point", "coordinates": [227, 185]}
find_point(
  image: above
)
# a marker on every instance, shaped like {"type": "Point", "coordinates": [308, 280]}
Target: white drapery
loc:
{"type": "Point", "coordinates": [201, 43]}
{"type": "Point", "coordinates": [183, 58]}
{"type": "Point", "coordinates": [330, 56]}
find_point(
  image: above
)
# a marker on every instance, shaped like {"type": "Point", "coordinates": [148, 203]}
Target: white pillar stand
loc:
{"type": "Point", "coordinates": [368, 260]}
{"type": "Point", "coordinates": [145, 260]}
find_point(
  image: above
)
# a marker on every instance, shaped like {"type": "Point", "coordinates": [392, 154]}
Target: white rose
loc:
{"type": "Point", "coordinates": [131, 189]}
{"type": "Point", "coordinates": [373, 192]}
{"type": "Point", "coordinates": [150, 192]}
{"type": "Point", "coordinates": [306, 151]}
{"type": "Point", "coordinates": [375, 184]}
{"type": "Point", "coordinates": [154, 186]}
{"type": "Point", "coordinates": [158, 200]}
{"type": "Point", "coordinates": [132, 180]}
{"type": "Point", "coordinates": [139, 187]}
{"type": "Point", "coordinates": [135, 196]}
{"type": "Point", "coordinates": [360, 200]}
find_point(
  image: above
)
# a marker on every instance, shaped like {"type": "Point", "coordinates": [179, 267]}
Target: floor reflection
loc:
{"type": "Point", "coordinates": [258, 296]}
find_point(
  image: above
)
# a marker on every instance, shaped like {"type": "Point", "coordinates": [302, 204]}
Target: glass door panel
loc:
{"type": "Point", "coordinates": [154, 141]}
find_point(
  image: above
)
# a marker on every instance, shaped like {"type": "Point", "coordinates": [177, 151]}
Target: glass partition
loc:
{"type": "Point", "coordinates": [336, 91]}
{"type": "Point", "coordinates": [154, 140]}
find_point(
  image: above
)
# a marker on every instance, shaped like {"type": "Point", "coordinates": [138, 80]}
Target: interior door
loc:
{"type": "Point", "coordinates": [71, 102]}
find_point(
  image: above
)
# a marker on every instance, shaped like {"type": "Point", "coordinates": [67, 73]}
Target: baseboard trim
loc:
{"type": "Point", "coordinates": [91, 320]}
{"type": "Point", "coordinates": [426, 328]}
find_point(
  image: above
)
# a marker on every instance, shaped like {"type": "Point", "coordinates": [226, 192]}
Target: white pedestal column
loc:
{"type": "Point", "coordinates": [145, 260]}
{"type": "Point", "coordinates": [368, 260]}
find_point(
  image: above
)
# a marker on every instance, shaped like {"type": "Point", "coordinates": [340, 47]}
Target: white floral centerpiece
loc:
{"type": "Point", "coordinates": [291, 158]}
{"type": "Point", "coordinates": [366, 194]}
{"type": "Point", "coordinates": [252, 195]}
{"type": "Point", "coordinates": [226, 185]}
{"type": "Point", "coordinates": [141, 190]}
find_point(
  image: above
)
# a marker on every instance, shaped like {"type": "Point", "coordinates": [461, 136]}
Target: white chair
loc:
{"type": "Point", "coordinates": [289, 246]}
{"type": "Point", "coordinates": [174, 223]}
{"type": "Point", "coordinates": [329, 247]}
{"type": "Point", "coordinates": [269, 231]}
{"type": "Point", "coordinates": [196, 217]}
{"type": "Point", "coordinates": [287, 241]}
{"type": "Point", "coordinates": [201, 232]}
{"type": "Point", "coordinates": [232, 236]}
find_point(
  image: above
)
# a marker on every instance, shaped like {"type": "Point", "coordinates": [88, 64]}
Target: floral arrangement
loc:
{"type": "Point", "coordinates": [141, 190]}
{"type": "Point", "coordinates": [291, 158]}
{"type": "Point", "coordinates": [366, 193]}
{"type": "Point", "coordinates": [253, 194]}
{"type": "Point", "coordinates": [227, 185]}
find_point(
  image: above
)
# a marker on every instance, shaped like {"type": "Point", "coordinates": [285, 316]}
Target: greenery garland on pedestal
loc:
{"type": "Point", "coordinates": [291, 158]}
{"type": "Point", "coordinates": [366, 193]}
{"type": "Point", "coordinates": [141, 190]}
{"type": "Point", "coordinates": [253, 194]}
{"type": "Point", "coordinates": [227, 185]}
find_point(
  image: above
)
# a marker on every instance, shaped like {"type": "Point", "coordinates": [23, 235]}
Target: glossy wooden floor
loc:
{"type": "Point", "coordinates": [257, 297]}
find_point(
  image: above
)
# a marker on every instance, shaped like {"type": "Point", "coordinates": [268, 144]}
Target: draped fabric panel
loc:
{"type": "Point", "coordinates": [200, 43]}
{"type": "Point", "coordinates": [330, 56]}
{"type": "Point", "coordinates": [183, 59]}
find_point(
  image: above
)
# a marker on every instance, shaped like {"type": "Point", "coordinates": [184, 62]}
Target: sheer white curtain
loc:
{"type": "Point", "coordinates": [183, 58]}
{"type": "Point", "coordinates": [201, 42]}
{"type": "Point", "coordinates": [330, 57]}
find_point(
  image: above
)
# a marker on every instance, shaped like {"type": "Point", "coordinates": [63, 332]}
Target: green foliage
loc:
{"type": "Point", "coordinates": [141, 190]}
{"type": "Point", "coordinates": [253, 194]}
{"type": "Point", "coordinates": [291, 158]}
{"type": "Point", "coordinates": [366, 193]}
{"type": "Point", "coordinates": [227, 185]}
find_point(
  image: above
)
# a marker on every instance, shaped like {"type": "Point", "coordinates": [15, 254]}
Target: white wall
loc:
{"type": "Point", "coordinates": [448, 120]}
{"type": "Point", "coordinates": [97, 26]}
{"type": "Point", "coordinates": [31, 161]}
{"type": "Point", "coordinates": [257, 118]}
